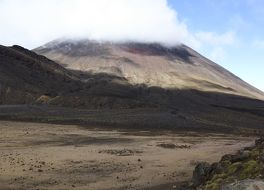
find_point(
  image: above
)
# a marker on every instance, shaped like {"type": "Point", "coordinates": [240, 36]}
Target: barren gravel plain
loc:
{"type": "Point", "coordinates": [62, 157]}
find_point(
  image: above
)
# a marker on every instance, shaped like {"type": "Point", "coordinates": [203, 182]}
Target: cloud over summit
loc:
{"type": "Point", "coordinates": [40, 21]}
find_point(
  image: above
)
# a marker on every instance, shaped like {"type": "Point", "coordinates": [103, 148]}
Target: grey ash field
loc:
{"type": "Point", "coordinates": [89, 115]}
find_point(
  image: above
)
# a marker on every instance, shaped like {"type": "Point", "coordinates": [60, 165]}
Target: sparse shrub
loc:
{"type": "Point", "coordinates": [250, 169]}
{"type": "Point", "coordinates": [233, 168]}
{"type": "Point", "coordinates": [212, 186]}
{"type": "Point", "coordinates": [44, 99]}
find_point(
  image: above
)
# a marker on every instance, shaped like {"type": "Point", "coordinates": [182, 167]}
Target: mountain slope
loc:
{"type": "Point", "coordinates": [153, 64]}
{"type": "Point", "coordinates": [25, 76]}
{"type": "Point", "coordinates": [106, 97]}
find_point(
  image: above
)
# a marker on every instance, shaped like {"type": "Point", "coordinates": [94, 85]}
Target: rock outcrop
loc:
{"type": "Point", "coordinates": [241, 171]}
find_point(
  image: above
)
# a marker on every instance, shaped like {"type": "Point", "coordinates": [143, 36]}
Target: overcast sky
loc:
{"type": "Point", "coordinates": [230, 32]}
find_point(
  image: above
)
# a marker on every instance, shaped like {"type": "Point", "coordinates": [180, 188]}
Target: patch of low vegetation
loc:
{"type": "Point", "coordinates": [173, 146]}
{"type": "Point", "coordinates": [123, 152]}
{"type": "Point", "coordinates": [44, 99]}
{"type": "Point", "coordinates": [246, 164]}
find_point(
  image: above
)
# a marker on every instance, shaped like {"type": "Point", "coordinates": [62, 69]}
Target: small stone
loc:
{"type": "Point", "coordinates": [43, 163]}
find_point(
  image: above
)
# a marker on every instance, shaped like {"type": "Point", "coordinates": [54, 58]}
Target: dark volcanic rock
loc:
{"type": "Point", "coordinates": [241, 156]}
{"type": "Point", "coordinates": [201, 173]}
{"type": "Point", "coordinates": [243, 170]}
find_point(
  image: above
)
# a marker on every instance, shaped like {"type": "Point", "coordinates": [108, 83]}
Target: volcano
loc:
{"type": "Point", "coordinates": [128, 84]}
{"type": "Point", "coordinates": [150, 64]}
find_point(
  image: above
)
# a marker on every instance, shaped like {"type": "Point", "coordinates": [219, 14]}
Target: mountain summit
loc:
{"type": "Point", "coordinates": [151, 64]}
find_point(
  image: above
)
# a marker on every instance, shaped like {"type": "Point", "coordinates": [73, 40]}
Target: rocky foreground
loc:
{"type": "Point", "coordinates": [241, 171]}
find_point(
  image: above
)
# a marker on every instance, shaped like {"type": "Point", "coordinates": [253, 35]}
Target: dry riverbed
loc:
{"type": "Point", "coordinates": [59, 157]}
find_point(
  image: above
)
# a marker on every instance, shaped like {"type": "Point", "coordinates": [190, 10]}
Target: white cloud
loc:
{"type": "Point", "coordinates": [33, 22]}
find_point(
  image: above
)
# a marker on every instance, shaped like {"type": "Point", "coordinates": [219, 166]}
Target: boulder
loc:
{"type": "Point", "coordinates": [241, 156]}
{"type": "Point", "coordinates": [201, 173]}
